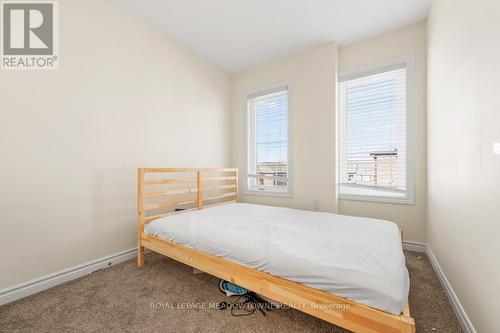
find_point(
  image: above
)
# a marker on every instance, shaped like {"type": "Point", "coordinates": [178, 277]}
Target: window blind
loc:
{"type": "Point", "coordinates": [373, 134]}
{"type": "Point", "coordinates": [268, 140]}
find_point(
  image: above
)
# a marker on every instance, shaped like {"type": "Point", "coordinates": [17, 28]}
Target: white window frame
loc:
{"type": "Point", "coordinates": [269, 191]}
{"type": "Point", "coordinates": [409, 62]}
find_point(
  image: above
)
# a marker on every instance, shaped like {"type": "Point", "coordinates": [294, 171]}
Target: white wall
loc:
{"type": "Point", "coordinates": [312, 79]}
{"type": "Point", "coordinates": [408, 41]}
{"type": "Point", "coordinates": [464, 175]}
{"type": "Point", "coordinates": [71, 140]}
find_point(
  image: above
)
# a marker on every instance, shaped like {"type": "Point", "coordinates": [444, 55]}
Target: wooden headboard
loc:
{"type": "Point", "coordinates": [167, 191]}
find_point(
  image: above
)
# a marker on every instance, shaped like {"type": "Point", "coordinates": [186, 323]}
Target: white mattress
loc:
{"type": "Point", "coordinates": [357, 258]}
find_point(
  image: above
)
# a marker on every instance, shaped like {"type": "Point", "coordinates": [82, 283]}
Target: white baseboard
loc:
{"type": "Point", "coordinates": [414, 246]}
{"type": "Point", "coordinates": [455, 302]}
{"type": "Point", "coordinates": [32, 287]}
{"type": "Point", "coordinates": [452, 297]}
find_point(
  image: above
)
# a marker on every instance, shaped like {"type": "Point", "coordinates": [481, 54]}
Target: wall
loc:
{"type": "Point", "coordinates": [71, 139]}
{"type": "Point", "coordinates": [312, 79]}
{"type": "Point", "coordinates": [410, 40]}
{"type": "Point", "coordinates": [464, 175]}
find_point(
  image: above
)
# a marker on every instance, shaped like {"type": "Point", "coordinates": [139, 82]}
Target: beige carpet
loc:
{"type": "Point", "coordinates": [120, 298]}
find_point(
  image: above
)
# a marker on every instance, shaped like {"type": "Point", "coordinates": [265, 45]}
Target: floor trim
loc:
{"type": "Point", "coordinates": [452, 297]}
{"type": "Point", "coordinates": [34, 286]}
{"type": "Point", "coordinates": [414, 246]}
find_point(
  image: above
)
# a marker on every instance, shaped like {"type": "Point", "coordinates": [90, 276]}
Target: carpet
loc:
{"type": "Point", "coordinates": [166, 296]}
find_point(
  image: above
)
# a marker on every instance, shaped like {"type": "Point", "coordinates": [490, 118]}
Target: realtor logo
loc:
{"type": "Point", "coordinates": [29, 35]}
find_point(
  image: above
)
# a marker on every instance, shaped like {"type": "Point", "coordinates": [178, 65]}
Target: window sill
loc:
{"type": "Point", "coordinates": [268, 194]}
{"type": "Point", "coordinates": [402, 201]}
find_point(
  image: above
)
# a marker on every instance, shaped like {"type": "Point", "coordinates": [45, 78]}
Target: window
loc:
{"type": "Point", "coordinates": [373, 136]}
{"type": "Point", "coordinates": [267, 140]}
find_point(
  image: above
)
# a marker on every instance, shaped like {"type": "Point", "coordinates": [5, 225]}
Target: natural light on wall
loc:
{"type": "Point", "coordinates": [373, 135]}
{"type": "Point", "coordinates": [267, 141]}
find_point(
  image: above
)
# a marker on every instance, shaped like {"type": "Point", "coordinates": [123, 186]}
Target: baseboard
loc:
{"type": "Point", "coordinates": [452, 297]}
{"type": "Point", "coordinates": [32, 287]}
{"type": "Point", "coordinates": [414, 246]}
{"type": "Point", "coordinates": [455, 302]}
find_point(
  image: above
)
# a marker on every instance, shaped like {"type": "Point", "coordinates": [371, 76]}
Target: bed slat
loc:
{"type": "Point", "coordinates": [168, 204]}
{"type": "Point", "coordinates": [169, 181]}
{"type": "Point", "coordinates": [170, 192]}
{"type": "Point", "coordinates": [211, 188]}
{"type": "Point", "coordinates": [188, 170]}
{"type": "Point", "coordinates": [220, 178]}
{"type": "Point", "coordinates": [220, 196]}
{"type": "Point", "coordinates": [148, 219]}
{"type": "Point", "coordinates": [219, 203]}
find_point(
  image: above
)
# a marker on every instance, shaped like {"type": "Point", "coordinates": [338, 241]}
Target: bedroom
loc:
{"type": "Point", "coordinates": [138, 85]}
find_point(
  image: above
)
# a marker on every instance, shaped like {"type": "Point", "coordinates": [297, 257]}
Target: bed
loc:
{"type": "Point", "coordinates": [346, 270]}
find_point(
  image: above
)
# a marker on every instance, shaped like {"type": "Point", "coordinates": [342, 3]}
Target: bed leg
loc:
{"type": "Point", "coordinates": [140, 256]}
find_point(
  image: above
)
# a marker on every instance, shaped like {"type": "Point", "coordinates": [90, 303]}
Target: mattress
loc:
{"type": "Point", "coordinates": [360, 259]}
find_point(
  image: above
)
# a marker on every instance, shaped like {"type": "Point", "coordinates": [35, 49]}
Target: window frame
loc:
{"type": "Point", "coordinates": [409, 62]}
{"type": "Point", "coordinates": [269, 192]}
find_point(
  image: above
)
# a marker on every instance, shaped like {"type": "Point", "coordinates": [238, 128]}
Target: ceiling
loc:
{"type": "Point", "coordinates": [237, 34]}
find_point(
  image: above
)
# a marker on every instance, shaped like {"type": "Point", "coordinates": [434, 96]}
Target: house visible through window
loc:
{"type": "Point", "coordinates": [267, 139]}
{"type": "Point", "coordinates": [373, 135]}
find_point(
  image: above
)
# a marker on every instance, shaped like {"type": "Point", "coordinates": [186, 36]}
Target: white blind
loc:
{"type": "Point", "coordinates": [268, 140]}
{"type": "Point", "coordinates": [372, 134]}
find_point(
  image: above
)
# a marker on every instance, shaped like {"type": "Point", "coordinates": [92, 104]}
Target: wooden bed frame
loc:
{"type": "Point", "coordinates": [199, 185]}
